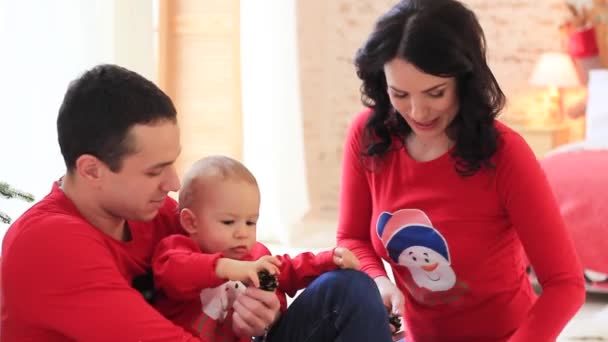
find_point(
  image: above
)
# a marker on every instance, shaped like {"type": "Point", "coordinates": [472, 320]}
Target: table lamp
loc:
{"type": "Point", "coordinates": [556, 71]}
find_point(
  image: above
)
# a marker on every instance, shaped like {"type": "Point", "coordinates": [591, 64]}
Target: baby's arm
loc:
{"type": "Point", "coordinates": [345, 259]}
{"type": "Point", "coordinates": [247, 271]}
{"type": "Point", "coordinates": [181, 270]}
{"type": "Point", "coordinates": [298, 272]}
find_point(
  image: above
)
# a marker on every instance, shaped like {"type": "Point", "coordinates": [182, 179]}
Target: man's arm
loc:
{"type": "Point", "coordinates": [64, 279]}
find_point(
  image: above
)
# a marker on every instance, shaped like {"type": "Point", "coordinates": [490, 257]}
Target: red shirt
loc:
{"type": "Point", "coordinates": [181, 271]}
{"type": "Point", "coordinates": [457, 245]}
{"type": "Point", "coordinates": [64, 280]}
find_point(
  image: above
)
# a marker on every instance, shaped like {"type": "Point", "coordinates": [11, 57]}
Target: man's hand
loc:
{"type": "Point", "coordinates": [344, 258]}
{"type": "Point", "coordinates": [255, 310]}
{"type": "Point", "coordinates": [246, 271]}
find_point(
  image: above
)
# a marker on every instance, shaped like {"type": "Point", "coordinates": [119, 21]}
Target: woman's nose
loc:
{"type": "Point", "coordinates": [418, 112]}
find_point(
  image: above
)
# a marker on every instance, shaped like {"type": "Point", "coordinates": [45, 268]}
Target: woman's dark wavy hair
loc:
{"type": "Point", "coordinates": [441, 38]}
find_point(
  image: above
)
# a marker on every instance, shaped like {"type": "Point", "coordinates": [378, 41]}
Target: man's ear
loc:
{"type": "Point", "coordinates": [188, 220]}
{"type": "Point", "coordinates": [89, 168]}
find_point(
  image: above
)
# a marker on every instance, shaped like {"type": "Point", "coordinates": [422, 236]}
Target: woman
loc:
{"type": "Point", "coordinates": [452, 199]}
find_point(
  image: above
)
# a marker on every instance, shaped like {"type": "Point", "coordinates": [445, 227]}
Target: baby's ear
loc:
{"type": "Point", "coordinates": [188, 220]}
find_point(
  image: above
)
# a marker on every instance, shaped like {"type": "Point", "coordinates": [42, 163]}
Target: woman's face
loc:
{"type": "Point", "coordinates": [427, 103]}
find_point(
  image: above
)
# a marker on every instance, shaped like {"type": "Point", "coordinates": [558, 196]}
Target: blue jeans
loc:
{"type": "Point", "coordinates": [342, 305]}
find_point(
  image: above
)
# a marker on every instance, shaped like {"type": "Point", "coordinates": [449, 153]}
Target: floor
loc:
{"type": "Point", "coordinates": [589, 324]}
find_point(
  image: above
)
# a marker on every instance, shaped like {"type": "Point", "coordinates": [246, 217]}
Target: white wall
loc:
{"type": "Point", "coordinates": [46, 44]}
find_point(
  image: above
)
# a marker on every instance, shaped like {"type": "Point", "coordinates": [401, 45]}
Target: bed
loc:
{"type": "Point", "coordinates": [579, 179]}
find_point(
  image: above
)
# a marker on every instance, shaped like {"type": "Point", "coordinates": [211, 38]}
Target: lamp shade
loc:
{"type": "Point", "coordinates": [555, 69]}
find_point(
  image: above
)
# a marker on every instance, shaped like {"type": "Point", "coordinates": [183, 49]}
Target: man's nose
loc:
{"type": "Point", "coordinates": [171, 181]}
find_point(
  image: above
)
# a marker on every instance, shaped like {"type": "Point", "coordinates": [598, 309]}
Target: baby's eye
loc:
{"type": "Point", "coordinates": [228, 222]}
{"type": "Point", "coordinates": [251, 223]}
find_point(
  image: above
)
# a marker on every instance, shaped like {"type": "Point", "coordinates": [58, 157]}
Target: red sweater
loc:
{"type": "Point", "coordinates": [181, 271]}
{"type": "Point", "coordinates": [64, 280]}
{"type": "Point", "coordinates": [456, 244]}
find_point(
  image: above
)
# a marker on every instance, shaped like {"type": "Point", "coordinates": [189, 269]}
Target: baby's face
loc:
{"type": "Point", "coordinates": [226, 218]}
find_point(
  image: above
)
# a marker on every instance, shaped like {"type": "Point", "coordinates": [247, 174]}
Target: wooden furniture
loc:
{"type": "Point", "coordinates": [542, 139]}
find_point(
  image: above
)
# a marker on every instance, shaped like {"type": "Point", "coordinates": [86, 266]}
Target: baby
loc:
{"type": "Point", "coordinates": [198, 276]}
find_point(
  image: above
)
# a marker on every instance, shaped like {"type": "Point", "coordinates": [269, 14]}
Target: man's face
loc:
{"type": "Point", "coordinates": [139, 189]}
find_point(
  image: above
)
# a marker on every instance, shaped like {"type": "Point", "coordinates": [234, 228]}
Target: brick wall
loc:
{"type": "Point", "coordinates": [329, 32]}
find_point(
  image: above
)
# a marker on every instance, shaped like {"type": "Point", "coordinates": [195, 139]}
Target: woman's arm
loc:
{"type": "Point", "coordinates": [534, 214]}
{"type": "Point", "coordinates": [356, 202]}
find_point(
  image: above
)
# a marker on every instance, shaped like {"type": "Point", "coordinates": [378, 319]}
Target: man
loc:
{"type": "Point", "coordinates": [69, 263]}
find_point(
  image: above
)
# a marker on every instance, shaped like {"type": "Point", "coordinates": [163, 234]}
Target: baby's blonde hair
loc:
{"type": "Point", "coordinates": [211, 168]}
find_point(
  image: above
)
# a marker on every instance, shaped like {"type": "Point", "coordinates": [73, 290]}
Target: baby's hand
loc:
{"type": "Point", "coordinates": [344, 258]}
{"type": "Point", "coordinates": [246, 271]}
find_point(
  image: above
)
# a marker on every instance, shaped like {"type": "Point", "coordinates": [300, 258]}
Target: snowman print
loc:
{"type": "Point", "coordinates": [411, 241]}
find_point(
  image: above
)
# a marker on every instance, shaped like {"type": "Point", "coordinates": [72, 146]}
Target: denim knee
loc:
{"type": "Point", "coordinates": [351, 283]}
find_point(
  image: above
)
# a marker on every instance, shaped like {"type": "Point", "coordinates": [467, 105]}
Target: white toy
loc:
{"type": "Point", "coordinates": [217, 301]}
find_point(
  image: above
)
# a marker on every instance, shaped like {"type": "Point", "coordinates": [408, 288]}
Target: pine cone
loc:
{"type": "Point", "coordinates": [268, 282]}
{"type": "Point", "coordinates": [395, 320]}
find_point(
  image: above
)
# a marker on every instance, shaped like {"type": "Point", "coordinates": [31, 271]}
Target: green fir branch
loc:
{"type": "Point", "coordinates": [4, 218]}
{"type": "Point", "coordinates": [9, 192]}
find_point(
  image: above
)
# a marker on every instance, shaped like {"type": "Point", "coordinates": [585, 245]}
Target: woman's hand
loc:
{"type": "Point", "coordinates": [391, 296]}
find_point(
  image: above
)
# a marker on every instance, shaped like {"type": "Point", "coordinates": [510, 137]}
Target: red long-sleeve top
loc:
{"type": "Point", "coordinates": [457, 245]}
{"type": "Point", "coordinates": [64, 280]}
{"type": "Point", "coordinates": [181, 271]}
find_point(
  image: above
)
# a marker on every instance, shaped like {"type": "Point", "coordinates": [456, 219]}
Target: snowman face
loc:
{"type": "Point", "coordinates": [429, 269]}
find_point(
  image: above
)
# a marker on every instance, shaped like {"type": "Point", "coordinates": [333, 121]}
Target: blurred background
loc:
{"type": "Point", "coordinates": [272, 83]}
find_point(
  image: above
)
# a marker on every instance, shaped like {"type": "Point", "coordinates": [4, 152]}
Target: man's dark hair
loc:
{"type": "Point", "coordinates": [99, 109]}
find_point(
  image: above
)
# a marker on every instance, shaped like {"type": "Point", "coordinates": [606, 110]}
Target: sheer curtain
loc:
{"type": "Point", "coordinates": [46, 44]}
{"type": "Point", "coordinates": [272, 118]}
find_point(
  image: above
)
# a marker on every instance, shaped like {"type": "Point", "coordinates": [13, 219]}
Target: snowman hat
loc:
{"type": "Point", "coordinates": [408, 228]}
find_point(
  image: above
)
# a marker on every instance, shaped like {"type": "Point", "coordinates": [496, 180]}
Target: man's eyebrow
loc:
{"type": "Point", "coordinates": [160, 165]}
{"type": "Point", "coordinates": [424, 91]}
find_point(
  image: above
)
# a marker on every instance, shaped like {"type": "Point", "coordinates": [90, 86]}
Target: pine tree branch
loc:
{"type": "Point", "coordinates": [9, 192]}
{"type": "Point", "coordinates": [4, 218]}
